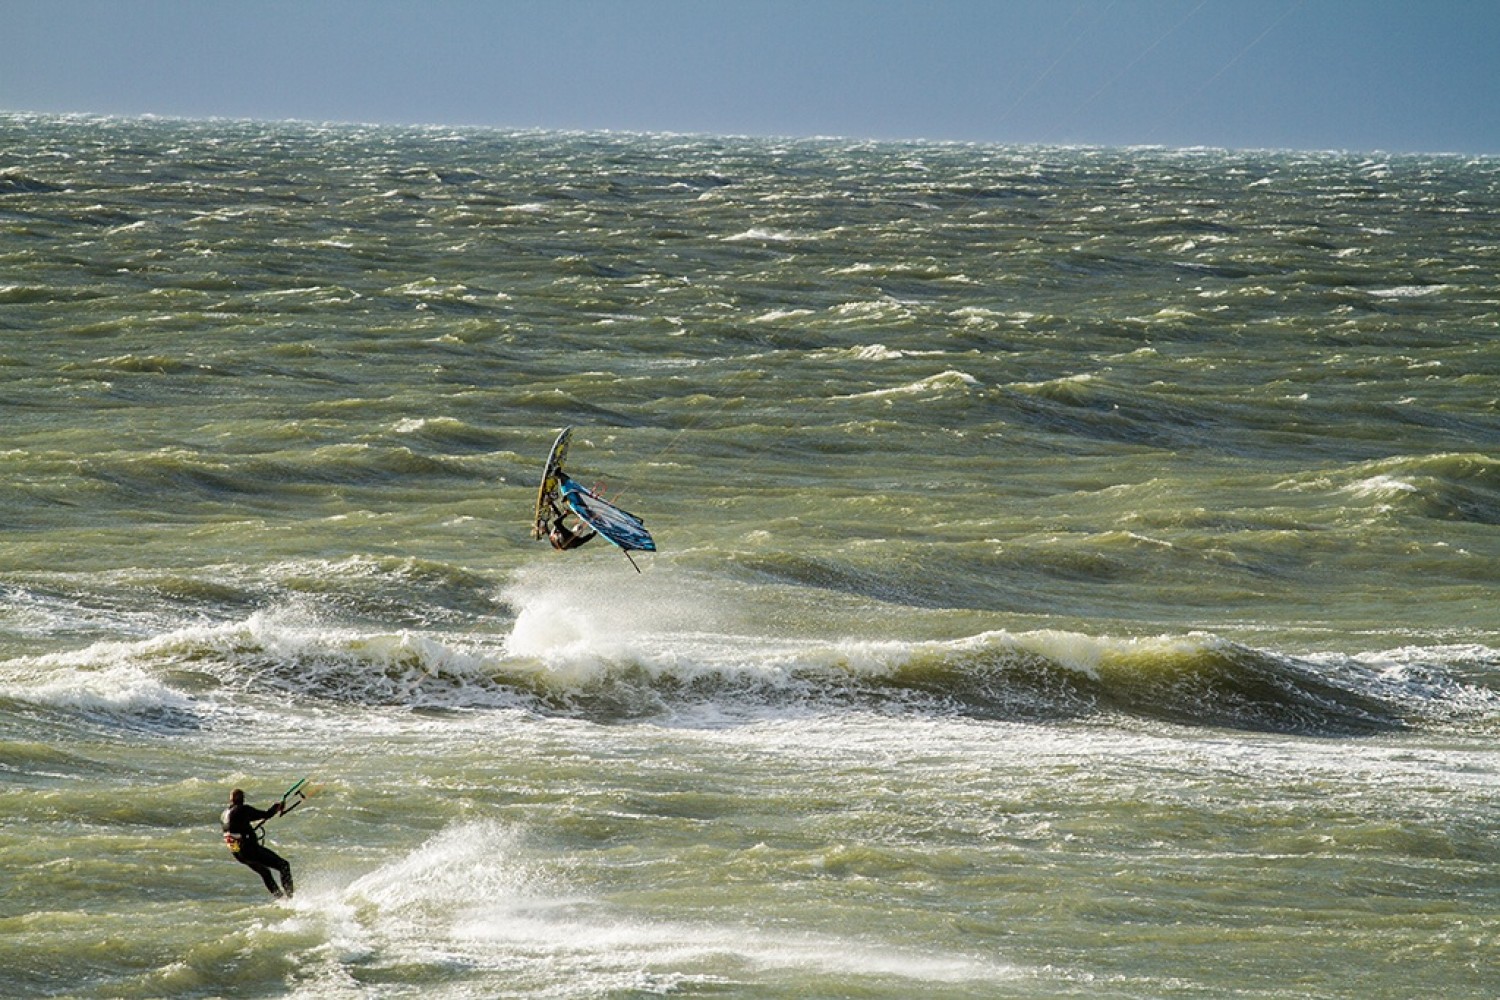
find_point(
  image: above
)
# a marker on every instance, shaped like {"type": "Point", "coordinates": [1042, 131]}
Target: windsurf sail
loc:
{"type": "Point", "coordinates": [621, 527]}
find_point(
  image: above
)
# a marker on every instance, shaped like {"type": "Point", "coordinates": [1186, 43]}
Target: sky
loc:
{"type": "Point", "coordinates": [1358, 75]}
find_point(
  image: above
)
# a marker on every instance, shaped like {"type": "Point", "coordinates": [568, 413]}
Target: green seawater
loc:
{"type": "Point", "coordinates": [1077, 568]}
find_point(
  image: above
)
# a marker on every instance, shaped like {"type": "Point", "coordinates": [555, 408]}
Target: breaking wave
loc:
{"type": "Point", "coordinates": [553, 664]}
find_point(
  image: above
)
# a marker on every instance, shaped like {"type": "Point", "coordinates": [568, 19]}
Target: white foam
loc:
{"type": "Point", "coordinates": [1407, 291]}
{"type": "Point", "coordinates": [1380, 486]}
{"type": "Point", "coordinates": [99, 679]}
{"type": "Point", "coordinates": [563, 632]}
{"type": "Point", "coordinates": [877, 309]}
{"type": "Point", "coordinates": [941, 382]}
{"type": "Point", "coordinates": [283, 648]}
{"type": "Point", "coordinates": [777, 315]}
{"type": "Point", "coordinates": [876, 352]}
{"type": "Point", "coordinates": [761, 234]}
{"type": "Point", "coordinates": [472, 894]}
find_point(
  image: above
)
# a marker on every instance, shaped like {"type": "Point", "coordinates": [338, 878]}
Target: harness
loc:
{"type": "Point", "coordinates": [236, 841]}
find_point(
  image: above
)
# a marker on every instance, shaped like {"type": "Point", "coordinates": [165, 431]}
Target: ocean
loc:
{"type": "Point", "coordinates": [1077, 567]}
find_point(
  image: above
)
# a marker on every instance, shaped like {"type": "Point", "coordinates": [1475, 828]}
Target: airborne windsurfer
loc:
{"type": "Point", "coordinates": [596, 515]}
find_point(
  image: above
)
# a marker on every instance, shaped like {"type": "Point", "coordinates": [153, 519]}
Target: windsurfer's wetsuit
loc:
{"type": "Point", "coordinates": [244, 843]}
{"type": "Point", "coordinates": [562, 537]}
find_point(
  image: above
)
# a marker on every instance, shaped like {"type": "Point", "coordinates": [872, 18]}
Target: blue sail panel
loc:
{"type": "Point", "coordinates": [620, 526]}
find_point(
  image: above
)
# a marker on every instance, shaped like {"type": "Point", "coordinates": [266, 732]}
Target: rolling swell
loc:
{"type": "Point", "coordinates": [1449, 487]}
{"type": "Point", "coordinates": [704, 679]}
{"type": "Point", "coordinates": [1197, 681]}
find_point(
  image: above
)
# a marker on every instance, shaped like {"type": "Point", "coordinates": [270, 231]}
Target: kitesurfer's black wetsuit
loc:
{"type": "Point", "coordinates": [244, 843]}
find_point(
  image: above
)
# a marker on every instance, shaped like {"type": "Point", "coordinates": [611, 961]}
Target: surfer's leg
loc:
{"type": "Point", "coordinates": [260, 864]}
{"type": "Point", "coordinates": [265, 876]}
{"type": "Point", "coordinates": [282, 865]}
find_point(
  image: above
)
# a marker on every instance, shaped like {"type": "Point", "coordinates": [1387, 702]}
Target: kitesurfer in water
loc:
{"type": "Point", "coordinates": [243, 840]}
{"type": "Point", "coordinates": [562, 537]}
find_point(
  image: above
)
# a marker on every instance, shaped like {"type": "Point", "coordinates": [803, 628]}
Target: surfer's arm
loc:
{"type": "Point", "coordinates": [255, 815]}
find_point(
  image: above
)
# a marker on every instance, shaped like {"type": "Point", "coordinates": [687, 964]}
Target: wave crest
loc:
{"type": "Point", "coordinates": [576, 653]}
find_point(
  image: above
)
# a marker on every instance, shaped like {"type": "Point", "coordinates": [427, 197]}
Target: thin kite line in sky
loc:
{"type": "Point", "coordinates": [1132, 65]}
{"type": "Point", "coordinates": [1060, 57]}
{"type": "Point", "coordinates": [1226, 67]}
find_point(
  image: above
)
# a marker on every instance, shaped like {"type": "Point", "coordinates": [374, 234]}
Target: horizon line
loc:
{"type": "Point", "coordinates": [150, 116]}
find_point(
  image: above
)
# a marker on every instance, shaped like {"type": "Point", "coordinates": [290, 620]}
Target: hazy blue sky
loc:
{"type": "Point", "coordinates": [1395, 75]}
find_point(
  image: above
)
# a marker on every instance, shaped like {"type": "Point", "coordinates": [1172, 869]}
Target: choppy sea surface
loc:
{"type": "Point", "coordinates": [1077, 576]}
